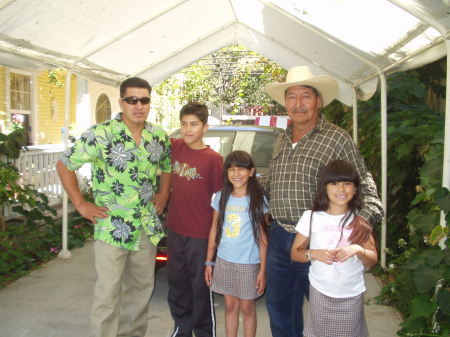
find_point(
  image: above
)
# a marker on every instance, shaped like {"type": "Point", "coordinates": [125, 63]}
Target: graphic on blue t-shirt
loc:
{"type": "Point", "coordinates": [233, 221]}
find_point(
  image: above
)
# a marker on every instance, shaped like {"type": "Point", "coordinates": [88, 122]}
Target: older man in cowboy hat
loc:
{"type": "Point", "coordinates": [300, 152]}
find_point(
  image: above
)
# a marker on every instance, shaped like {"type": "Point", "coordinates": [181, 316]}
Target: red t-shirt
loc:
{"type": "Point", "coordinates": [196, 176]}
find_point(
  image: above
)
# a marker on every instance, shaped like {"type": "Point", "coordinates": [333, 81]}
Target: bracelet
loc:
{"type": "Point", "coordinates": [363, 254]}
{"type": "Point", "coordinates": [308, 255]}
{"type": "Point", "coordinates": [210, 263]}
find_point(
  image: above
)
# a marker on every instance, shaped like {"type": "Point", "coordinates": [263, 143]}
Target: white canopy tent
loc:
{"type": "Point", "coordinates": [355, 41]}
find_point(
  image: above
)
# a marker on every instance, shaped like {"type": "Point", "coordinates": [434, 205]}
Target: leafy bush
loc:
{"type": "Point", "coordinates": [23, 248]}
{"type": "Point", "coordinates": [33, 235]}
{"type": "Point", "coordinates": [418, 272]}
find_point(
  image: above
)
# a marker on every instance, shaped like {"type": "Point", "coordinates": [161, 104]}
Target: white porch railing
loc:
{"type": "Point", "coordinates": [37, 167]}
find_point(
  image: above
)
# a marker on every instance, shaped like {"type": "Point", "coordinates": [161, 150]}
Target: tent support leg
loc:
{"type": "Point", "coordinates": [65, 253]}
{"type": "Point", "coordinates": [355, 116]}
{"type": "Point", "coordinates": [383, 167]}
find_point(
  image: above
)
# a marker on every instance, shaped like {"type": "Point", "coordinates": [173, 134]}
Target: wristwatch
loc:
{"type": "Point", "coordinates": [308, 255]}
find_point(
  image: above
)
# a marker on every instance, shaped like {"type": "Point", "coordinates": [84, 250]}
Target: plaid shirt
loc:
{"type": "Point", "coordinates": [294, 173]}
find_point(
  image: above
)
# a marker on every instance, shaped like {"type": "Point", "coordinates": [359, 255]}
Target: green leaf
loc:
{"type": "Point", "coordinates": [442, 198]}
{"type": "Point", "coordinates": [425, 278]}
{"type": "Point", "coordinates": [445, 333]}
{"type": "Point", "coordinates": [414, 262]}
{"type": "Point", "coordinates": [422, 307]}
{"type": "Point", "coordinates": [407, 130]}
{"type": "Point", "coordinates": [443, 300]}
{"type": "Point", "coordinates": [425, 222]}
{"type": "Point", "coordinates": [419, 197]}
{"type": "Point", "coordinates": [436, 235]}
{"type": "Point", "coordinates": [434, 257]}
{"type": "Point", "coordinates": [403, 150]}
{"type": "Point", "coordinates": [447, 272]}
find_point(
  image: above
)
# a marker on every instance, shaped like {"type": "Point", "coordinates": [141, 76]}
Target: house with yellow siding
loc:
{"type": "Point", "coordinates": [36, 99]}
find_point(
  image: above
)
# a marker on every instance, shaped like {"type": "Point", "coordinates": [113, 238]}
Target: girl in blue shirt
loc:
{"type": "Point", "coordinates": [238, 243]}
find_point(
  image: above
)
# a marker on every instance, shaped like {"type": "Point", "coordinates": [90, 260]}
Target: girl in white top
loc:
{"type": "Point", "coordinates": [238, 238]}
{"type": "Point", "coordinates": [336, 304]}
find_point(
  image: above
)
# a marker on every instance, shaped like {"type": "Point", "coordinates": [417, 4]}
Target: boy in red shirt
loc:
{"type": "Point", "coordinates": [196, 176]}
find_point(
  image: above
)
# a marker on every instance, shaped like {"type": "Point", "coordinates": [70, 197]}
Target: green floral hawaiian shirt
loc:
{"type": "Point", "coordinates": [123, 178]}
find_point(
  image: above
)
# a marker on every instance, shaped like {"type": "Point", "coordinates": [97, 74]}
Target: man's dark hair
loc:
{"type": "Point", "coordinates": [134, 82]}
{"type": "Point", "coordinates": [197, 109]}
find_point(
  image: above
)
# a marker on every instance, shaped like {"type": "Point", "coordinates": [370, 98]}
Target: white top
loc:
{"type": "Point", "coordinates": [339, 280]}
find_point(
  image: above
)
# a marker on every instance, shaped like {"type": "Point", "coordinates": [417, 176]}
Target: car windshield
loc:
{"type": "Point", "coordinates": [258, 144]}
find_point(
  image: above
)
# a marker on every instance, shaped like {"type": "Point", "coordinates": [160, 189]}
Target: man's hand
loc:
{"type": "Point", "coordinates": [361, 230]}
{"type": "Point", "coordinates": [91, 212]}
{"type": "Point", "coordinates": [160, 202]}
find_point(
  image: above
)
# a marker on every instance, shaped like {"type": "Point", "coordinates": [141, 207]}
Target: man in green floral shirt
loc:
{"type": "Point", "coordinates": [125, 153]}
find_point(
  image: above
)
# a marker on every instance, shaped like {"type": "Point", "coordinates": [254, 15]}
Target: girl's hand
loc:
{"type": "Point", "coordinates": [260, 283]}
{"type": "Point", "coordinates": [323, 255]}
{"type": "Point", "coordinates": [344, 253]}
{"type": "Point", "coordinates": [208, 275]}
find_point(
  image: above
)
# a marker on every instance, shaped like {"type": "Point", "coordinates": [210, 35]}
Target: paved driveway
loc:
{"type": "Point", "coordinates": [55, 301]}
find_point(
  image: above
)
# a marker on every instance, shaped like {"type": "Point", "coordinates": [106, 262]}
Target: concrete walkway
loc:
{"type": "Point", "coordinates": [55, 301]}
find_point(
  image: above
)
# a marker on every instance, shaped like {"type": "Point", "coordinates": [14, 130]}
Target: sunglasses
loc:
{"type": "Point", "coordinates": [133, 100]}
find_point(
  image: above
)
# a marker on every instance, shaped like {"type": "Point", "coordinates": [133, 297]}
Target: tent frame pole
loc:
{"type": "Point", "coordinates": [446, 155]}
{"type": "Point", "coordinates": [65, 253]}
{"type": "Point", "coordinates": [355, 116]}
{"type": "Point", "coordinates": [383, 167]}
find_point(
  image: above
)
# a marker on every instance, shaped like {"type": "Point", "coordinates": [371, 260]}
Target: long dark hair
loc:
{"type": "Point", "coordinates": [336, 171]}
{"type": "Point", "coordinates": [257, 202]}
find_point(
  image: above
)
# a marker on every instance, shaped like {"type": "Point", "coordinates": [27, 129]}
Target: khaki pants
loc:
{"type": "Point", "coordinates": [124, 285]}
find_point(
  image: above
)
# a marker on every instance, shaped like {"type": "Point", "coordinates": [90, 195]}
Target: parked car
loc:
{"type": "Point", "coordinates": [256, 140]}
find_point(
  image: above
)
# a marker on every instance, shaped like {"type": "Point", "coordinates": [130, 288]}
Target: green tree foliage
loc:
{"type": "Point", "coordinates": [233, 75]}
{"type": "Point", "coordinates": [230, 78]}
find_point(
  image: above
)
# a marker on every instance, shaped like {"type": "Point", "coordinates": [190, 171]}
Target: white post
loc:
{"type": "Point", "coordinates": [355, 116]}
{"type": "Point", "coordinates": [383, 167]}
{"type": "Point", "coordinates": [446, 163]}
{"type": "Point", "coordinates": [65, 253]}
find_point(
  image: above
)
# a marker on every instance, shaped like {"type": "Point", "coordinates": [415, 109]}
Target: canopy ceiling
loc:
{"type": "Point", "coordinates": [108, 40]}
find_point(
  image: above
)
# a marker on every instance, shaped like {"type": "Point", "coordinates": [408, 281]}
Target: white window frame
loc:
{"type": "Point", "coordinates": [31, 112]}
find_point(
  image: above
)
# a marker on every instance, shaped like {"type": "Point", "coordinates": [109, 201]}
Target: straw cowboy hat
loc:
{"type": "Point", "coordinates": [301, 75]}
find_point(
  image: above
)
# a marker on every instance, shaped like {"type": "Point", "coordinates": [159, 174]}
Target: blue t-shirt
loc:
{"type": "Point", "coordinates": [238, 243]}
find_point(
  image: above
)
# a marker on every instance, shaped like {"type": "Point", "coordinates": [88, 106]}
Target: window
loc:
{"type": "Point", "coordinates": [102, 109]}
{"type": "Point", "coordinates": [20, 104]}
{"type": "Point", "coordinates": [20, 92]}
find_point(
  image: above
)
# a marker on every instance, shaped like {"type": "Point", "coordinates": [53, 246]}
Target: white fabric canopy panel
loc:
{"type": "Point", "coordinates": [355, 41]}
{"type": "Point", "coordinates": [108, 40]}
